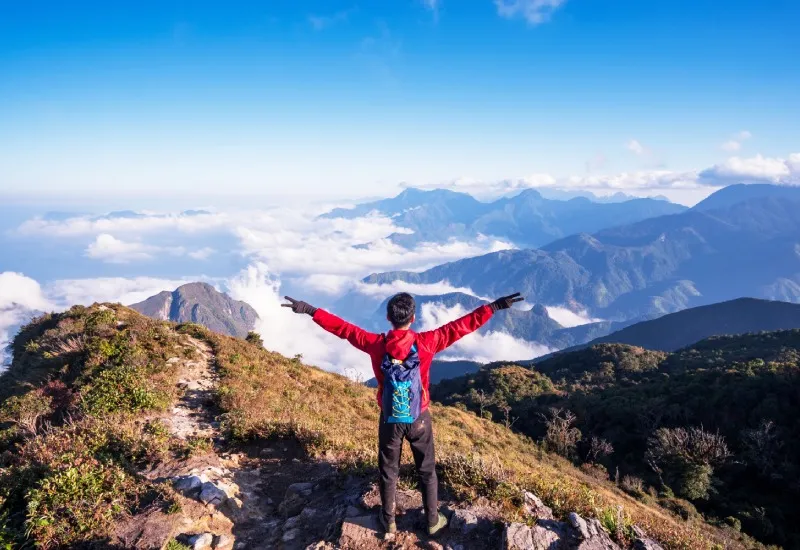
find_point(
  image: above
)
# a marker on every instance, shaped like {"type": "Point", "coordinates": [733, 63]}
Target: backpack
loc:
{"type": "Point", "coordinates": [402, 388]}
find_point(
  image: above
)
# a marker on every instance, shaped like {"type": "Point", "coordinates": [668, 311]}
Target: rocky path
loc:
{"type": "Point", "coordinates": [192, 416]}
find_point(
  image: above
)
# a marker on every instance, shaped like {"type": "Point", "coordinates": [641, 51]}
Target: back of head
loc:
{"type": "Point", "coordinates": [400, 309]}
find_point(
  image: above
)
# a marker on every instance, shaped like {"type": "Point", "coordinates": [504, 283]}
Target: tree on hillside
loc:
{"type": "Point", "coordinates": [685, 459]}
{"type": "Point", "coordinates": [562, 436]}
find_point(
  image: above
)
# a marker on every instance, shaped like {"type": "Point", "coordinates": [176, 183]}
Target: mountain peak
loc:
{"type": "Point", "coordinates": [203, 304]}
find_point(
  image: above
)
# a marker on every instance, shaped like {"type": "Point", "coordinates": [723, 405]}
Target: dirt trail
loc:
{"type": "Point", "coordinates": [192, 416]}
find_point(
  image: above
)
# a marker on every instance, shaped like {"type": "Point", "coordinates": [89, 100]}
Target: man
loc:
{"type": "Point", "coordinates": [399, 344]}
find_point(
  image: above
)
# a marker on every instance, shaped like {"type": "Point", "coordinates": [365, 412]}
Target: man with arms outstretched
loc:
{"type": "Point", "coordinates": [399, 346]}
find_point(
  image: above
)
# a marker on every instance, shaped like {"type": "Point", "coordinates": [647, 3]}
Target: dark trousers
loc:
{"type": "Point", "coordinates": [390, 447]}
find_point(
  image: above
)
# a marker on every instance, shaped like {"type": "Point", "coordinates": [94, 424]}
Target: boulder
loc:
{"type": "Point", "coordinates": [187, 484]}
{"type": "Point", "coordinates": [300, 519]}
{"type": "Point", "coordinates": [535, 507]}
{"type": "Point", "coordinates": [295, 499]}
{"type": "Point", "coordinates": [549, 534]}
{"type": "Point", "coordinates": [643, 542]}
{"type": "Point", "coordinates": [517, 536]}
{"type": "Point", "coordinates": [202, 541]}
{"type": "Point", "coordinates": [464, 521]}
{"type": "Point", "coordinates": [224, 542]}
{"type": "Point", "coordinates": [589, 534]}
{"type": "Point", "coordinates": [212, 495]}
{"type": "Point", "coordinates": [360, 531]}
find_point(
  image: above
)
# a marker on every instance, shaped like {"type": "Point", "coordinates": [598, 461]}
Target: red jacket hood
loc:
{"type": "Point", "coordinates": [399, 342]}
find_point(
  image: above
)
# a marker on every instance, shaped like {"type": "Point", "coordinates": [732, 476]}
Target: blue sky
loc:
{"type": "Point", "coordinates": [351, 98]}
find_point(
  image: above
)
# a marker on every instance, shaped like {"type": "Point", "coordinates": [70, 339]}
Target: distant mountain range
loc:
{"type": "Point", "coordinates": [684, 328]}
{"type": "Point", "coordinates": [741, 241]}
{"type": "Point", "coordinates": [527, 219]}
{"type": "Point", "coordinates": [201, 303]}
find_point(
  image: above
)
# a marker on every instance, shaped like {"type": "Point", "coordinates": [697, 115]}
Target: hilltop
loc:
{"type": "Point", "coordinates": [123, 431]}
{"type": "Point", "coordinates": [201, 303]}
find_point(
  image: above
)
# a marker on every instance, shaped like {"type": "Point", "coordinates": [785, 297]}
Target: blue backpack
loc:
{"type": "Point", "coordinates": [402, 388]}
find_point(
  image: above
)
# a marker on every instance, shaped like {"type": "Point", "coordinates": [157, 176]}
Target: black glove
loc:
{"type": "Point", "coordinates": [299, 306]}
{"type": "Point", "coordinates": [506, 302]}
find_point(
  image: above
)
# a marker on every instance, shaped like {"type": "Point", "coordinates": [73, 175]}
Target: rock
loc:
{"type": "Point", "coordinates": [517, 536]}
{"type": "Point", "coordinates": [643, 542]}
{"type": "Point", "coordinates": [321, 545]}
{"type": "Point", "coordinates": [589, 534]}
{"type": "Point", "coordinates": [548, 534]}
{"type": "Point", "coordinates": [464, 521]}
{"type": "Point", "coordinates": [535, 507]}
{"type": "Point", "coordinates": [212, 495]}
{"type": "Point", "coordinates": [433, 545]}
{"type": "Point", "coordinates": [298, 520]}
{"type": "Point", "coordinates": [187, 484]}
{"type": "Point", "coordinates": [360, 531]}
{"type": "Point", "coordinates": [295, 499]}
{"type": "Point", "coordinates": [203, 541]}
{"type": "Point", "coordinates": [290, 535]}
{"type": "Point", "coordinates": [292, 505]}
{"type": "Point", "coordinates": [455, 547]}
{"type": "Point", "coordinates": [302, 489]}
{"type": "Point", "coordinates": [224, 542]}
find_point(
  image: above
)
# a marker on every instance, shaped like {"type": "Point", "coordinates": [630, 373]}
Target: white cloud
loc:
{"type": "Point", "coordinates": [736, 140]}
{"type": "Point", "coordinates": [757, 169]}
{"type": "Point", "coordinates": [108, 248]}
{"type": "Point", "coordinates": [635, 147]}
{"type": "Point", "coordinates": [480, 347]}
{"type": "Point", "coordinates": [67, 292]}
{"type": "Point", "coordinates": [534, 12]}
{"type": "Point", "coordinates": [291, 334]}
{"type": "Point", "coordinates": [568, 318]}
{"type": "Point", "coordinates": [112, 250]}
{"type": "Point", "coordinates": [127, 225]}
{"type": "Point", "coordinates": [20, 298]}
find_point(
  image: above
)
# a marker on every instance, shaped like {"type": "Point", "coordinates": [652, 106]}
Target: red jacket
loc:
{"type": "Point", "coordinates": [398, 342]}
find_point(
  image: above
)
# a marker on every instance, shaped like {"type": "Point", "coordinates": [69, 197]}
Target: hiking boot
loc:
{"type": "Point", "coordinates": [389, 529]}
{"type": "Point", "coordinates": [438, 527]}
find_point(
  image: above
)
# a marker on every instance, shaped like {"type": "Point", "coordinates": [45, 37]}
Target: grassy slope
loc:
{"type": "Point", "coordinates": [104, 377]}
{"type": "Point", "coordinates": [264, 394]}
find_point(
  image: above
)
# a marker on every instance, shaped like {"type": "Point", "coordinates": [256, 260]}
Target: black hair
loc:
{"type": "Point", "coordinates": [400, 309]}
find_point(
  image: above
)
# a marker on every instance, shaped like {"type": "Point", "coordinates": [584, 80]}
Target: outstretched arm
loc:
{"type": "Point", "coordinates": [358, 337]}
{"type": "Point", "coordinates": [447, 335]}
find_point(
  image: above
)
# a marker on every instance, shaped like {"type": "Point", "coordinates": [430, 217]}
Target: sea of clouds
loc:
{"type": "Point", "coordinates": [256, 255]}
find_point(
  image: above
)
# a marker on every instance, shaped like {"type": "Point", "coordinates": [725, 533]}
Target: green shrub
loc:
{"type": "Point", "coordinates": [25, 411]}
{"type": "Point", "coordinates": [255, 338]}
{"type": "Point", "coordinates": [71, 505]}
{"type": "Point", "coordinates": [122, 389]}
{"type": "Point", "coordinates": [683, 508]}
{"type": "Point", "coordinates": [175, 545]}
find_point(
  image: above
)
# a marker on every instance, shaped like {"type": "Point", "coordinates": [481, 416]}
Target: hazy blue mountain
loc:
{"type": "Point", "coordinates": [201, 303]}
{"type": "Point", "coordinates": [527, 219]}
{"type": "Point", "coordinates": [728, 196]}
{"type": "Point", "coordinates": [652, 267]}
{"type": "Point", "coordinates": [678, 330]}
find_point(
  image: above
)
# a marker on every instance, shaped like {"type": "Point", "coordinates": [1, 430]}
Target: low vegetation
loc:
{"type": "Point", "coordinates": [705, 432]}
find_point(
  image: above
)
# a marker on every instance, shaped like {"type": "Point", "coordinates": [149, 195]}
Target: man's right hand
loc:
{"type": "Point", "coordinates": [299, 306]}
{"type": "Point", "coordinates": [506, 302]}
